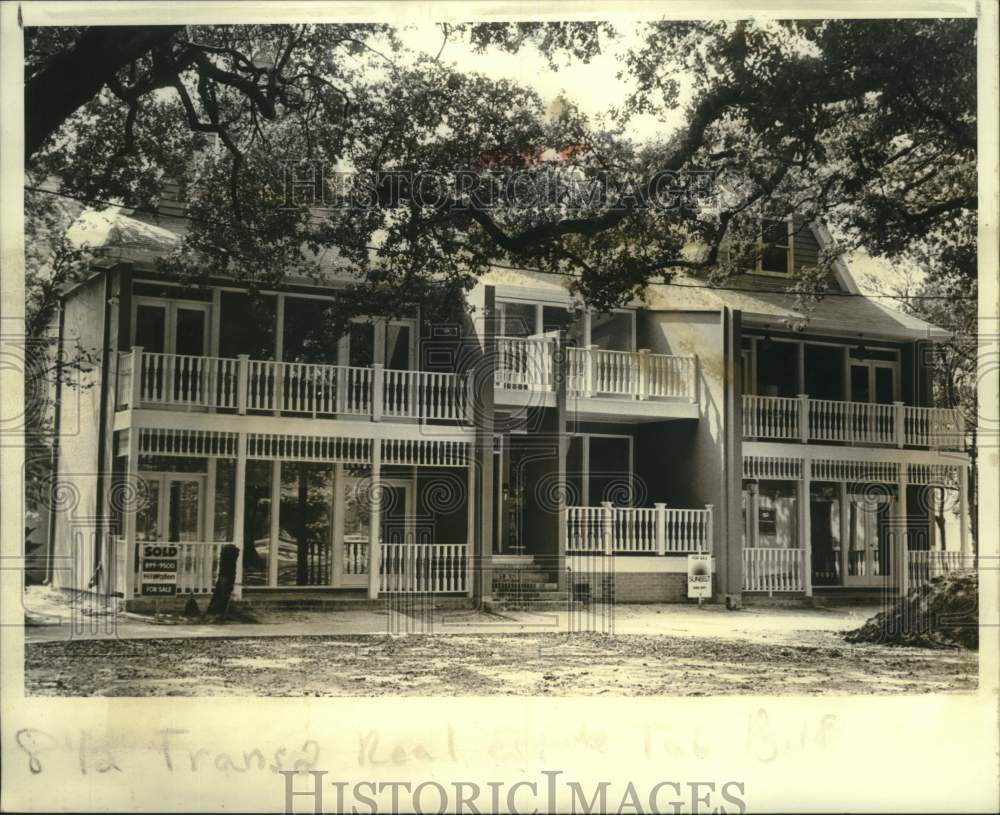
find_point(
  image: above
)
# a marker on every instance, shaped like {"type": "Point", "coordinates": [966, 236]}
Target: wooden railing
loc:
{"type": "Point", "coordinates": [177, 379]}
{"type": "Point", "coordinates": [656, 530]}
{"type": "Point", "coordinates": [528, 364]}
{"type": "Point", "coordinates": [426, 568]}
{"type": "Point", "coordinates": [593, 371]}
{"type": "Point", "coordinates": [242, 384]}
{"type": "Point", "coordinates": [524, 363]}
{"type": "Point", "coordinates": [773, 570]}
{"type": "Point", "coordinates": [783, 418]}
{"type": "Point", "coordinates": [355, 556]}
{"type": "Point", "coordinates": [922, 566]}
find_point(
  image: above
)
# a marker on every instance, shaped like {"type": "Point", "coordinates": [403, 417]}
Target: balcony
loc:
{"type": "Point", "coordinates": [805, 420]}
{"type": "Point", "coordinates": [527, 365]}
{"type": "Point", "coordinates": [242, 385]}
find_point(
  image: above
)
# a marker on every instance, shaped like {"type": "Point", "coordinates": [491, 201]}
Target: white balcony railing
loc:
{"type": "Point", "coordinates": [529, 364]}
{"type": "Point", "coordinates": [782, 418]}
{"type": "Point", "coordinates": [656, 530]}
{"type": "Point", "coordinates": [773, 569]}
{"type": "Point", "coordinates": [525, 363]}
{"type": "Point", "coordinates": [922, 566]}
{"type": "Point", "coordinates": [425, 568]}
{"type": "Point", "coordinates": [166, 380]}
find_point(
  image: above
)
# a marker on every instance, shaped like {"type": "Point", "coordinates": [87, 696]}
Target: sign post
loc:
{"type": "Point", "coordinates": [699, 573]}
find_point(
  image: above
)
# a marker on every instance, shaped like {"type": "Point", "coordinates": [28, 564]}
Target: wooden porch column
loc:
{"type": "Point", "coordinates": [964, 539]}
{"type": "Point", "coordinates": [805, 487]}
{"type": "Point", "coordinates": [239, 508]}
{"type": "Point", "coordinates": [375, 521]}
{"type": "Point", "coordinates": [902, 545]}
{"type": "Point", "coordinates": [275, 524]}
{"type": "Point", "coordinates": [131, 477]}
{"type": "Point", "coordinates": [470, 522]}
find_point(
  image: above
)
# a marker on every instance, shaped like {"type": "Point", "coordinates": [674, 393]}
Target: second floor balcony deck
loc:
{"type": "Point", "coordinates": [597, 379]}
{"type": "Point", "coordinates": [243, 385]}
{"type": "Point", "coordinates": [829, 421]}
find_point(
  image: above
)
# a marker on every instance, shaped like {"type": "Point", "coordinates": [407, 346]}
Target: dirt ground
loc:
{"type": "Point", "coordinates": [552, 663]}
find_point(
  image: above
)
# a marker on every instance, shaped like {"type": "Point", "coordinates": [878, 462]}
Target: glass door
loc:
{"type": "Point", "coordinates": [868, 549]}
{"type": "Point", "coordinates": [173, 508]}
{"type": "Point", "coordinates": [172, 332]}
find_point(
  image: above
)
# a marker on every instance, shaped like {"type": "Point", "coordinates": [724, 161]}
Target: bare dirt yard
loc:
{"type": "Point", "coordinates": [553, 663]}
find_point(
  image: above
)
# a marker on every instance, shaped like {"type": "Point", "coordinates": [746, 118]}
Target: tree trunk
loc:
{"type": "Point", "coordinates": [227, 580]}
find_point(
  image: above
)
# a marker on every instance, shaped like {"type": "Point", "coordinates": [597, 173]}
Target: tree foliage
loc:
{"type": "Point", "coordinates": [868, 124]}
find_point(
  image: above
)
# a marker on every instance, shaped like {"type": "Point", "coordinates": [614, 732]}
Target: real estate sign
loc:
{"type": "Point", "coordinates": [699, 575]}
{"type": "Point", "coordinates": [158, 570]}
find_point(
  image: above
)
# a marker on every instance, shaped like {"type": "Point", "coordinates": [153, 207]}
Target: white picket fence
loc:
{"type": "Point", "coordinates": [242, 384]}
{"type": "Point", "coordinates": [656, 530]}
{"type": "Point", "coordinates": [803, 419]}
{"type": "Point", "coordinates": [773, 569]}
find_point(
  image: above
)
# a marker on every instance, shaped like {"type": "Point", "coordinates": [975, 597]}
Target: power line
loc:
{"type": "Point", "coordinates": [742, 289]}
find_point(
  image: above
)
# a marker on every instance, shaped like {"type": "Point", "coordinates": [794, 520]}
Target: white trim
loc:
{"type": "Point", "coordinates": [808, 452]}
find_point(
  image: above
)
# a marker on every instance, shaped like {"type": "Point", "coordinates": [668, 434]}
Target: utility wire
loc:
{"type": "Point", "coordinates": [743, 289]}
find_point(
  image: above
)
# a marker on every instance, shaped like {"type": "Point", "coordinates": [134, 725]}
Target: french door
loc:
{"type": "Point", "coordinates": [396, 526]}
{"type": "Point", "coordinates": [868, 546]}
{"type": "Point", "coordinates": [173, 508]}
{"type": "Point", "coordinates": [174, 334]}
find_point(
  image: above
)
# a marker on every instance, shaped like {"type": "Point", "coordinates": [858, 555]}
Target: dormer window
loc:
{"type": "Point", "coordinates": [776, 256]}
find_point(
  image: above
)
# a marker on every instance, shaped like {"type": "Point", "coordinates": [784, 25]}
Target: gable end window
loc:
{"type": "Point", "coordinates": [776, 249]}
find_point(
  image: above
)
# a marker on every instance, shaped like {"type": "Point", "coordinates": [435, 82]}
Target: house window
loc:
{"type": "Point", "coordinates": [776, 253]}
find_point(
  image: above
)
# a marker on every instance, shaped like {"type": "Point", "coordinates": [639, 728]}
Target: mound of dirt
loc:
{"type": "Point", "coordinates": [941, 613]}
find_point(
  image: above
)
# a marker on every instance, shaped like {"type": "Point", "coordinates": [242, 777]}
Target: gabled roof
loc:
{"type": "Point", "coordinates": [843, 312]}
{"type": "Point", "coordinates": [837, 313]}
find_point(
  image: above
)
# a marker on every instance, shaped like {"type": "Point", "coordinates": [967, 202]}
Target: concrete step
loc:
{"type": "Point", "coordinates": [532, 575]}
{"type": "Point", "coordinates": [527, 585]}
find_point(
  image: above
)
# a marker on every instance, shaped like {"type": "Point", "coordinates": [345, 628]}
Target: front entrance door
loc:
{"type": "Point", "coordinates": [173, 508]}
{"type": "Point", "coordinates": [868, 549]}
{"type": "Point", "coordinates": [396, 525]}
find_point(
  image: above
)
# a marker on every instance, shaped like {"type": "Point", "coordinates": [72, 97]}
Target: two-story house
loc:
{"type": "Point", "coordinates": [533, 448]}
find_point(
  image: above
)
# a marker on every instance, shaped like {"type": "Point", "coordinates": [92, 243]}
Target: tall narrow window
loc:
{"type": "Point", "coordinates": [776, 248]}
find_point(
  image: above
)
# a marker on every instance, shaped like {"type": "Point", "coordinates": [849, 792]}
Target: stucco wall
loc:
{"type": "Point", "coordinates": [74, 495]}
